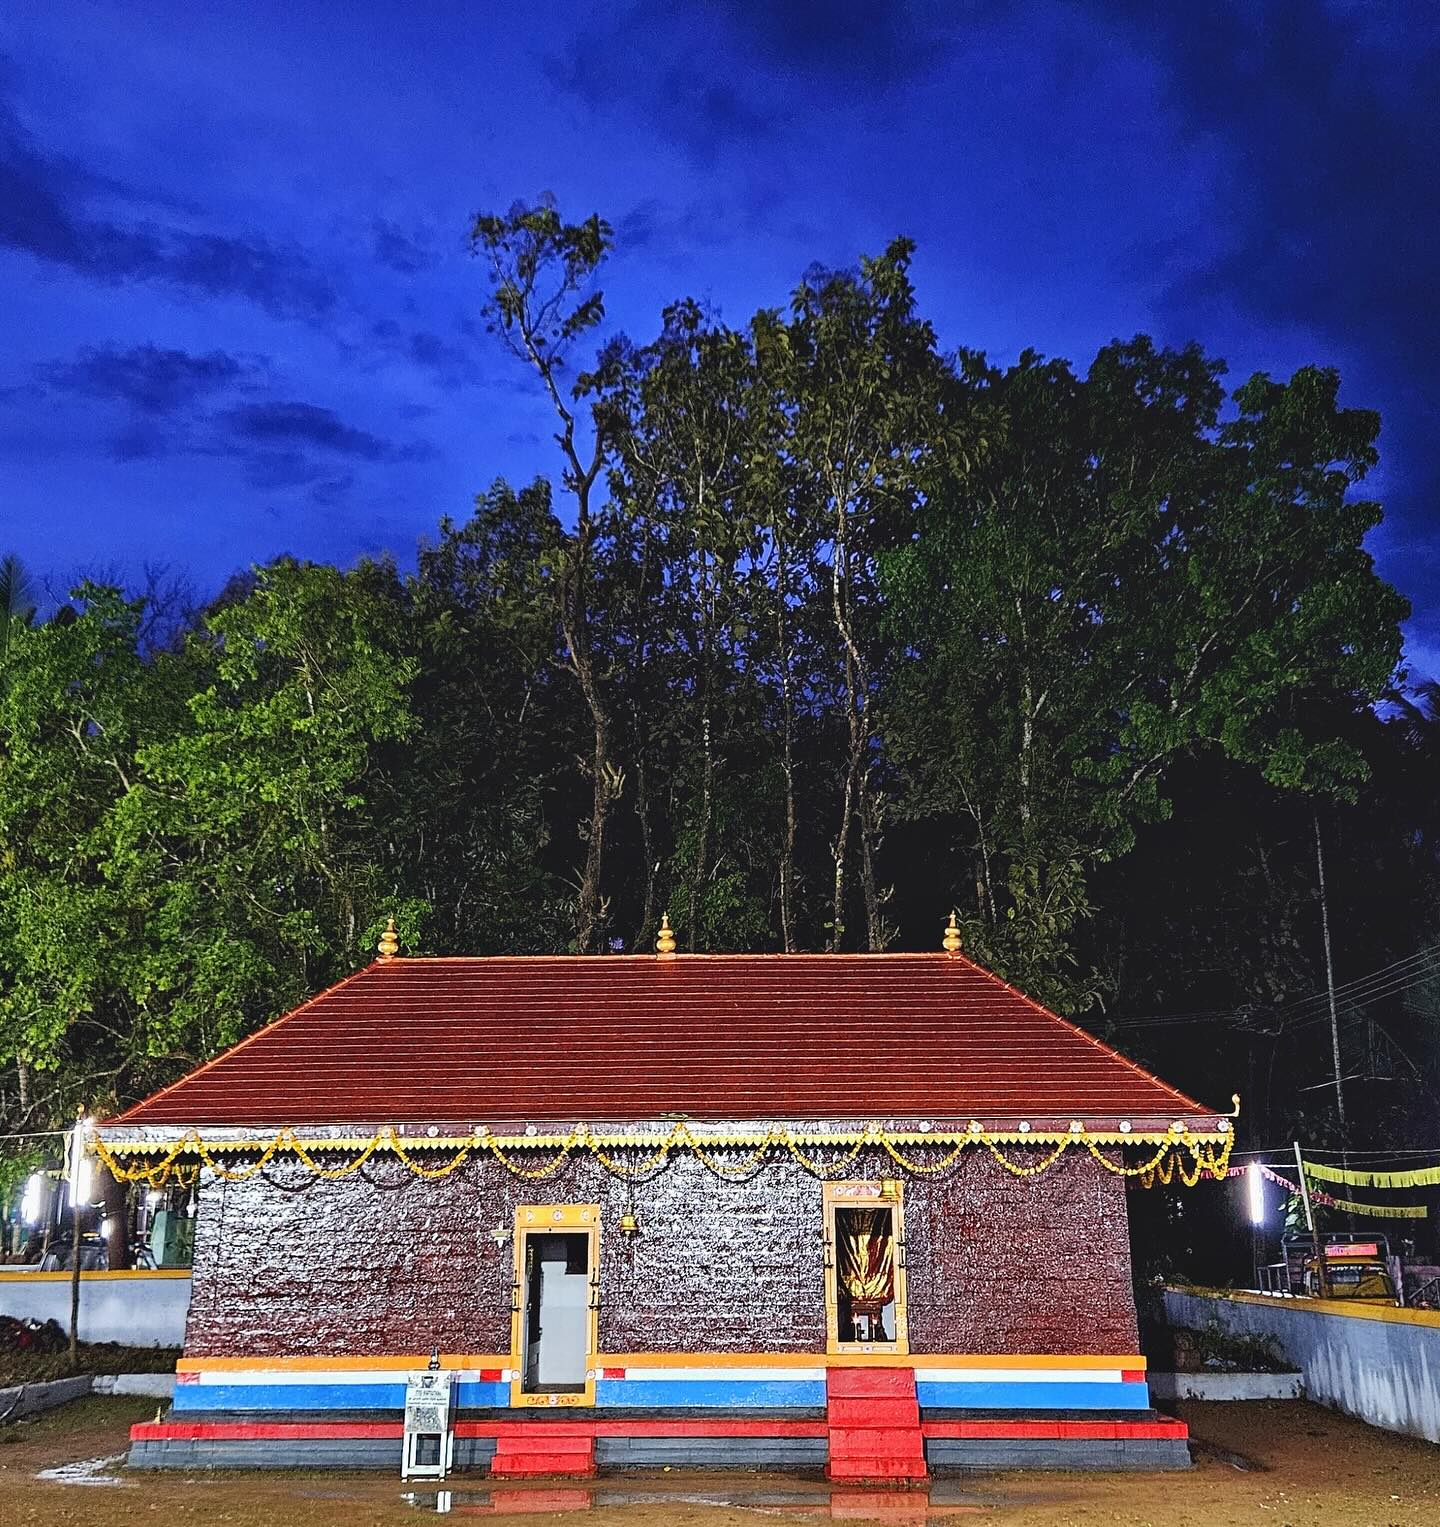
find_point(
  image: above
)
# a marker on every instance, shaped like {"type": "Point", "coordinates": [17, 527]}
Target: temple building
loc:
{"type": "Point", "coordinates": [864, 1213]}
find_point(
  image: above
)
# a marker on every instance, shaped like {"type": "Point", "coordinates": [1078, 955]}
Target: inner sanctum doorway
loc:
{"type": "Point", "coordinates": [557, 1312]}
{"type": "Point", "coordinates": [865, 1267]}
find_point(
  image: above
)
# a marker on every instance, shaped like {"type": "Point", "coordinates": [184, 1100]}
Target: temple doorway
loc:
{"type": "Point", "coordinates": [865, 1267]}
{"type": "Point", "coordinates": [865, 1274]}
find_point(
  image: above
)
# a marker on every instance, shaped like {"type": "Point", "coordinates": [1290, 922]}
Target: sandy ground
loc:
{"type": "Point", "coordinates": [1284, 1465]}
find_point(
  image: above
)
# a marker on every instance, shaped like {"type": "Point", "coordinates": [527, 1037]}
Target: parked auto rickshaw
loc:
{"type": "Point", "coordinates": [1341, 1266]}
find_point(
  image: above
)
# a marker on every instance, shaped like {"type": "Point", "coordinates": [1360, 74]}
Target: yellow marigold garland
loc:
{"type": "Point", "coordinates": [1034, 1169]}
{"type": "Point", "coordinates": [929, 1169]}
{"type": "Point", "coordinates": [184, 1160]}
{"type": "Point", "coordinates": [870, 1134]}
{"type": "Point", "coordinates": [538, 1174]}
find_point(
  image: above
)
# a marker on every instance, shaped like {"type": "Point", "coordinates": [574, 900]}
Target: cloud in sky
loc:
{"type": "Point", "coordinates": [850, 40]}
{"type": "Point", "coordinates": [177, 403]}
{"type": "Point", "coordinates": [728, 78]}
{"type": "Point", "coordinates": [671, 70]}
{"type": "Point", "coordinates": [306, 424]}
{"type": "Point", "coordinates": [44, 213]}
{"type": "Point", "coordinates": [287, 443]}
{"type": "Point", "coordinates": [403, 252]}
{"type": "Point", "coordinates": [152, 379]}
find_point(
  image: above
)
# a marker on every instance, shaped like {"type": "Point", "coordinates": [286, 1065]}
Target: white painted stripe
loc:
{"type": "Point", "coordinates": [722, 1375]}
{"type": "Point", "coordinates": [1017, 1375]}
{"type": "Point", "coordinates": [268, 1377]}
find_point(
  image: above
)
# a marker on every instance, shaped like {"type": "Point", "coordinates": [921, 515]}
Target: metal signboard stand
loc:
{"type": "Point", "coordinates": [429, 1442]}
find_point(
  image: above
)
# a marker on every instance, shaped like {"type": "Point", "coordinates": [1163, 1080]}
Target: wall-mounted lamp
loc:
{"type": "Point", "coordinates": [629, 1225]}
{"type": "Point", "coordinates": [500, 1234]}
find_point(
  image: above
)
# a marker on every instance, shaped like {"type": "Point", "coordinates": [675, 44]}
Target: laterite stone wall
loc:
{"type": "Point", "coordinates": [386, 1263]}
{"type": "Point", "coordinates": [1030, 1265]}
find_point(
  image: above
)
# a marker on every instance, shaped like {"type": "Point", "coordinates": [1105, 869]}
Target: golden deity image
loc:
{"type": "Point", "coordinates": [867, 1250]}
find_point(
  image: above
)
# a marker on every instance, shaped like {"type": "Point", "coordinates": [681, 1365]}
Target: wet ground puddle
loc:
{"type": "Point", "coordinates": [88, 1471]}
{"type": "Point", "coordinates": [902, 1508]}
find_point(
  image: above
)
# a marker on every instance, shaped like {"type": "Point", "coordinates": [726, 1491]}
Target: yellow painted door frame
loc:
{"type": "Point", "coordinates": [888, 1194]}
{"type": "Point", "coordinates": [554, 1219]}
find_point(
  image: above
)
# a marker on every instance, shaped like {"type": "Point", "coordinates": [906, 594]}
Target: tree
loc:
{"type": "Point", "coordinates": [1121, 581]}
{"type": "Point", "coordinates": [250, 841]}
{"type": "Point", "coordinates": [485, 789]}
{"type": "Point", "coordinates": [539, 270]}
{"type": "Point", "coordinates": [684, 445]}
{"type": "Point", "coordinates": [866, 415]}
{"type": "Point", "coordinates": [17, 600]}
{"type": "Point", "coordinates": [77, 703]}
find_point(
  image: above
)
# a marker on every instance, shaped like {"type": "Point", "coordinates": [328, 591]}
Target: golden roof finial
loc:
{"type": "Point", "coordinates": [665, 943]}
{"type": "Point", "coordinates": [951, 942]}
{"type": "Point", "coordinates": [389, 945]}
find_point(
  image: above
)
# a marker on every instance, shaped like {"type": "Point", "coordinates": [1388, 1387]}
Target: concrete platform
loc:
{"type": "Point", "coordinates": [952, 1444]}
{"type": "Point", "coordinates": [22, 1400]}
{"type": "Point", "coordinates": [1227, 1386]}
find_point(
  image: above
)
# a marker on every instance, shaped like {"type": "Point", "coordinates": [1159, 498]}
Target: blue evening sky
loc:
{"type": "Point", "coordinates": [239, 316]}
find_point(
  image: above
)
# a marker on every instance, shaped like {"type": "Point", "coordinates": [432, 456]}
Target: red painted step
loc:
{"type": "Point", "coordinates": [261, 1431]}
{"type": "Point", "coordinates": [532, 1452]}
{"type": "Point", "coordinates": [880, 1441]}
{"type": "Point", "coordinates": [869, 1383]}
{"type": "Point", "coordinates": [865, 1470]}
{"type": "Point", "coordinates": [874, 1426]}
{"type": "Point", "coordinates": [868, 1413]}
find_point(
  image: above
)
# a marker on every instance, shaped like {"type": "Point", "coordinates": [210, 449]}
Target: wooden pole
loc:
{"type": "Point", "coordinates": [1304, 1190]}
{"type": "Point", "coordinates": [114, 1195]}
{"type": "Point", "coordinates": [77, 1151]}
{"type": "Point", "coordinates": [1330, 990]}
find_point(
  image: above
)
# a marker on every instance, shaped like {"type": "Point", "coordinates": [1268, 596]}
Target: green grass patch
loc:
{"type": "Point", "coordinates": [119, 1412]}
{"type": "Point", "coordinates": [94, 1357]}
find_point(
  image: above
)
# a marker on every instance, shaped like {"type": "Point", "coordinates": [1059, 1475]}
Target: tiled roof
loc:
{"type": "Point", "coordinates": [835, 1037]}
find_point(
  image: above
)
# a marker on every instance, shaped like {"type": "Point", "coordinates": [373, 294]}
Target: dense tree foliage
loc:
{"type": "Point", "coordinates": [818, 633]}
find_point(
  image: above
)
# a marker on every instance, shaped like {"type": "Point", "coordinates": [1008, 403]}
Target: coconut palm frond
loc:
{"type": "Point", "coordinates": [17, 589]}
{"type": "Point", "coordinates": [1420, 716]}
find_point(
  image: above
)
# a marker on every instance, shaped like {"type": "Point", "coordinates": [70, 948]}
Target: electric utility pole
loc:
{"type": "Point", "coordinates": [1330, 988]}
{"type": "Point", "coordinates": [77, 1166]}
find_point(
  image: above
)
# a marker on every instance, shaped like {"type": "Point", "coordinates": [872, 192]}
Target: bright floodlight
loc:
{"type": "Point", "coordinates": [34, 1197]}
{"type": "Point", "coordinates": [1255, 1186]}
{"type": "Point", "coordinates": [79, 1166]}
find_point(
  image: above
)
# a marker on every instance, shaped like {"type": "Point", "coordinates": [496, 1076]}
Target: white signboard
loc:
{"type": "Point", "coordinates": [429, 1444]}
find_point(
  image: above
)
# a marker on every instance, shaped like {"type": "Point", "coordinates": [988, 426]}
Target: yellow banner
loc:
{"type": "Point", "coordinates": [1382, 1211]}
{"type": "Point", "coordinates": [1420, 1177]}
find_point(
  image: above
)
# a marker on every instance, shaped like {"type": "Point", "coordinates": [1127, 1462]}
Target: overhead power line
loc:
{"type": "Point", "coordinates": [1300, 1012]}
{"type": "Point", "coordinates": [1421, 966]}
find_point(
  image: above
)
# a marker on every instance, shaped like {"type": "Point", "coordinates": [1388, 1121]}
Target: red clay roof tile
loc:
{"type": "Point", "coordinates": [634, 1037]}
